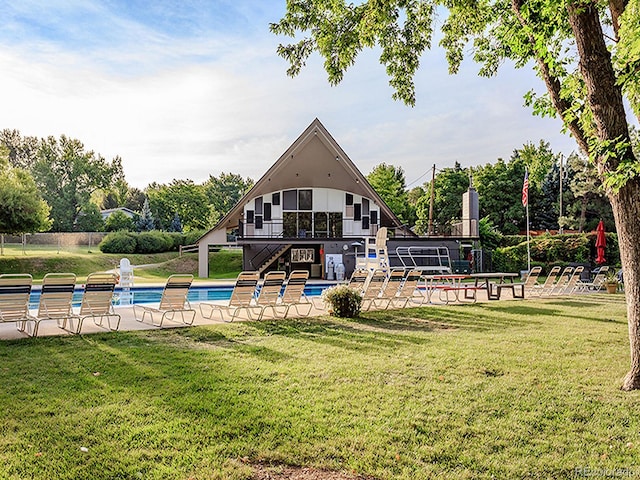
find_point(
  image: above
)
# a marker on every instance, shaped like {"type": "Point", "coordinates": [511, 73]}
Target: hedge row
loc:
{"type": "Point", "coordinates": [146, 242]}
{"type": "Point", "coordinates": [550, 250]}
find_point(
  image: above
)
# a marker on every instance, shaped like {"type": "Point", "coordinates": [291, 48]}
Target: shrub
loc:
{"type": "Point", "coordinates": [118, 220]}
{"type": "Point", "coordinates": [343, 301]}
{"type": "Point", "coordinates": [177, 239]}
{"type": "Point", "coordinates": [154, 242]}
{"type": "Point", "coordinates": [119, 242]}
{"type": "Point", "coordinates": [192, 237]}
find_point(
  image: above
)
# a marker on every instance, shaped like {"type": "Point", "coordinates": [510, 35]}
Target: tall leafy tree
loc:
{"type": "Point", "coordinates": [183, 198]}
{"type": "Point", "coordinates": [389, 182]}
{"type": "Point", "coordinates": [224, 191]}
{"type": "Point", "coordinates": [23, 209]}
{"type": "Point", "coordinates": [450, 184]}
{"type": "Point", "coordinates": [590, 205]}
{"type": "Point", "coordinates": [499, 187]}
{"type": "Point", "coordinates": [67, 176]}
{"type": "Point", "coordinates": [90, 219]}
{"type": "Point", "coordinates": [586, 53]}
{"type": "Point", "coordinates": [134, 199]}
{"type": "Point", "coordinates": [22, 151]}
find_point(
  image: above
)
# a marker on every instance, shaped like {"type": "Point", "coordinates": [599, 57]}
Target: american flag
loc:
{"type": "Point", "coordinates": [525, 189]}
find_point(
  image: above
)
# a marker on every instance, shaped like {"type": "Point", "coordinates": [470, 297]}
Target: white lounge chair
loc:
{"type": "Point", "coordinates": [173, 302]}
{"type": "Point", "coordinates": [97, 301]}
{"type": "Point", "coordinates": [15, 290]}
{"type": "Point", "coordinates": [242, 298]}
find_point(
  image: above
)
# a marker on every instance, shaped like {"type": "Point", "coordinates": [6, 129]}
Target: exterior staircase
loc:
{"type": "Point", "coordinates": [277, 254]}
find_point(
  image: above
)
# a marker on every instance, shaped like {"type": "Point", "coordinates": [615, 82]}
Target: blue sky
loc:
{"type": "Point", "coordinates": [192, 88]}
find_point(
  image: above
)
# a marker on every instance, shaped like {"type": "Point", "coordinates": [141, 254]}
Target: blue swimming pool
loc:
{"type": "Point", "coordinates": [140, 295]}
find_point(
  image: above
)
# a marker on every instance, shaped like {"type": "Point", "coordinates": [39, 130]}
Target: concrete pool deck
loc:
{"type": "Point", "coordinates": [9, 331]}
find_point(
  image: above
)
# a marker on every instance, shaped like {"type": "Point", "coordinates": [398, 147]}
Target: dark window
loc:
{"type": "Point", "coordinates": [290, 200]}
{"type": "Point", "coordinates": [335, 224]}
{"type": "Point", "coordinates": [258, 206]}
{"type": "Point", "coordinates": [267, 212]}
{"type": "Point", "coordinates": [305, 199]}
{"type": "Point", "coordinates": [365, 206]}
{"type": "Point", "coordinates": [365, 223]}
{"type": "Point", "coordinates": [357, 211]}
{"type": "Point", "coordinates": [275, 198]}
{"type": "Point", "coordinates": [349, 199]}
{"type": "Point", "coordinates": [290, 224]}
{"type": "Point", "coordinates": [374, 217]}
{"type": "Point", "coordinates": [259, 222]}
{"type": "Point", "coordinates": [249, 216]}
{"type": "Point", "coordinates": [304, 224]}
{"type": "Point", "coordinates": [320, 224]}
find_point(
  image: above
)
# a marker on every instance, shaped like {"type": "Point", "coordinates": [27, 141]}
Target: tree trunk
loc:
{"type": "Point", "coordinates": [605, 101]}
{"type": "Point", "coordinates": [626, 211]}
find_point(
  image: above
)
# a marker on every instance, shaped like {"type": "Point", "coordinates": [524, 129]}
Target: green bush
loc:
{"type": "Point", "coordinates": [119, 242]}
{"type": "Point", "coordinates": [154, 242]}
{"type": "Point", "coordinates": [193, 236]}
{"type": "Point", "coordinates": [343, 301]}
{"type": "Point", "coordinates": [551, 250]}
{"type": "Point", "coordinates": [177, 239]}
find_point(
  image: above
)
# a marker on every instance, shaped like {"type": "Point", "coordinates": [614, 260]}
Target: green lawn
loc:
{"type": "Point", "coordinates": [504, 390]}
{"type": "Point", "coordinates": [41, 259]}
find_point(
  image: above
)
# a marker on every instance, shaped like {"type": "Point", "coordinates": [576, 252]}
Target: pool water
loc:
{"type": "Point", "coordinates": [140, 295]}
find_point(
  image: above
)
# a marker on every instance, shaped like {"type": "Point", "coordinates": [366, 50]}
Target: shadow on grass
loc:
{"type": "Point", "coordinates": [589, 307]}
{"type": "Point", "coordinates": [479, 317]}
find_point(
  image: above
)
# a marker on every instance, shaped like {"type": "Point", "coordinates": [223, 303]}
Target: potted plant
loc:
{"type": "Point", "coordinates": [611, 282]}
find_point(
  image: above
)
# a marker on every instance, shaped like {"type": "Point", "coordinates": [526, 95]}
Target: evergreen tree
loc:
{"type": "Point", "coordinates": [176, 224]}
{"type": "Point", "coordinates": [146, 222]}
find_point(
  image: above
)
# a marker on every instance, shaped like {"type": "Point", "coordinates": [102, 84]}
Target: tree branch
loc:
{"type": "Point", "coordinates": [553, 86]}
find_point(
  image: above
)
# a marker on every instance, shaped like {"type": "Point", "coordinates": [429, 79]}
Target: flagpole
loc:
{"type": "Point", "coordinates": [528, 242]}
{"type": "Point", "coordinates": [525, 203]}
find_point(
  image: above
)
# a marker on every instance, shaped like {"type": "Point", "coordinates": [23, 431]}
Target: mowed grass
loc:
{"type": "Point", "coordinates": [505, 390]}
{"type": "Point", "coordinates": [42, 259]}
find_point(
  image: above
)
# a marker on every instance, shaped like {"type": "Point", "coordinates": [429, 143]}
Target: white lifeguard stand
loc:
{"type": "Point", "coordinates": [375, 252]}
{"type": "Point", "coordinates": [126, 281]}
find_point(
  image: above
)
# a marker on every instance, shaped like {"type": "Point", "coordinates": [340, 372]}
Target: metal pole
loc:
{"type": "Point", "coordinates": [560, 229]}
{"type": "Point", "coordinates": [528, 242]}
{"type": "Point", "coordinates": [433, 193]}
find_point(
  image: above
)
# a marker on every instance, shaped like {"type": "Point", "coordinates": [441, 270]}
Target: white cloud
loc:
{"type": "Point", "coordinates": [187, 107]}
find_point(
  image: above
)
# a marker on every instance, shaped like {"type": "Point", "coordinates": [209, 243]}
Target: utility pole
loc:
{"type": "Point", "coordinates": [433, 193]}
{"type": "Point", "coordinates": [560, 229]}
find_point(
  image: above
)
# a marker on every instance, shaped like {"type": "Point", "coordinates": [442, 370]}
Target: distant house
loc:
{"type": "Point", "coordinates": [107, 213]}
{"type": "Point", "coordinates": [313, 206]}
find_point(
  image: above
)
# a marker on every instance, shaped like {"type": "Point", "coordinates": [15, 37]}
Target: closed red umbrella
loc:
{"type": "Point", "coordinates": [601, 243]}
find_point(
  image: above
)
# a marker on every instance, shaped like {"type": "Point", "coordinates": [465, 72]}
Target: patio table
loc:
{"type": "Point", "coordinates": [494, 282]}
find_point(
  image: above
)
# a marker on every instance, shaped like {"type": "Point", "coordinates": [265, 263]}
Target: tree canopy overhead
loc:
{"type": "Point", "coordinates": [587, 54]}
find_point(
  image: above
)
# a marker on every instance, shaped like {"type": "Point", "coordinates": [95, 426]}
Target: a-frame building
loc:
{"type": "Point", "coordinates": [311, 207]}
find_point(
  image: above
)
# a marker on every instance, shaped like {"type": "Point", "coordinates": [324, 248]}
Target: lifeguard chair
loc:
{"type": "Point", "coordinates": [375, 252]}
{"type": "Point", "coordinates": [125, 282]}
{"type": "Point", "coordinates": [126, 273]}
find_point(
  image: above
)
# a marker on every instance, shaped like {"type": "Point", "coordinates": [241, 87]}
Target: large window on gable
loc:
{"type": "Point", "coordinates": [305, 199]}
{"type": "Point", "coordinates": [290, 200]}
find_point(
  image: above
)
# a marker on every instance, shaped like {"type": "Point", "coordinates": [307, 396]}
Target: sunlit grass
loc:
{"type": "Point", "coordinates": [42, 259]}
{"type": "Point", "coordinates": [512, 389]}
